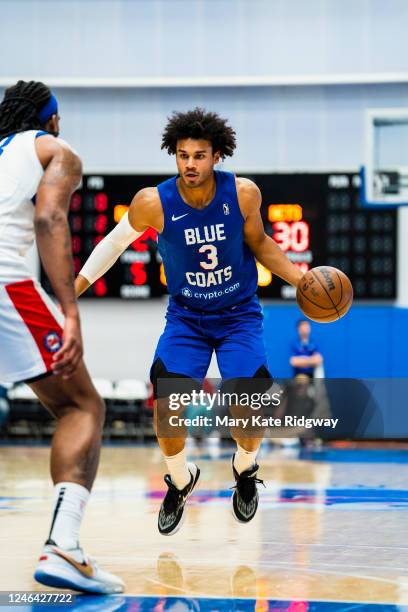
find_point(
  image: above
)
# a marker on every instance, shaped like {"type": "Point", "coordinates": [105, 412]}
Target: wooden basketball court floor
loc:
{"type": "Point", "coordinates": [331, 532]}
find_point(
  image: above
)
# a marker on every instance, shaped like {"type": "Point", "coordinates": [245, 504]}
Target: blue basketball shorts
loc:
{"type": "Point", "coordinates": [190, 337]}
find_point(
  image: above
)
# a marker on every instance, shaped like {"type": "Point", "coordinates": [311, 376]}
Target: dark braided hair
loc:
{"type": "Point", "coordinates": [20, 107]}
{"type": "Point", "coordinates": [199, 124]}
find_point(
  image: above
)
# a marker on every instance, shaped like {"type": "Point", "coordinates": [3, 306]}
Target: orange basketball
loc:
{"type": "Point", "coordinates": [324, 294]}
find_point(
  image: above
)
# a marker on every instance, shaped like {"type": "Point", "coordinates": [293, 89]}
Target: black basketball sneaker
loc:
{"type": "Point", "coordinates": [171, 515]}
{"type": "Point", "coordinates": [245, 497]}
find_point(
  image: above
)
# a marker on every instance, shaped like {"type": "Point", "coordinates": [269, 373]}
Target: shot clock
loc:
{"type": "Point", "coordinates": [316, 219]}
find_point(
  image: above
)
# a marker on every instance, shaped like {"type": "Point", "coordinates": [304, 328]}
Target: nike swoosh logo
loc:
{"type": "Point", "coordinates": [85, 569]}
{"type": "Point", "coordinates": [173, 218]}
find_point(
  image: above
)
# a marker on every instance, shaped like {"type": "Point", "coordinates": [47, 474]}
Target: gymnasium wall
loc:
{"type": "Point", "coordinates": [279, 128]}
{"type": "Point", "coordinates": [203, 37]}
{"type": "Point", "coordinates": [370, 342]}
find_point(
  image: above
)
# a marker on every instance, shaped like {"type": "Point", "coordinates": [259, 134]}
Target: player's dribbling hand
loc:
{"type": "Point", "coordinates": [67, 359]}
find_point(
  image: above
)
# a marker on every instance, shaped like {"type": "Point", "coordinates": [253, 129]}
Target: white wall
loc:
{"type": "Point", "coordinates": [278, 128]}
{"type": "Point", "coordinates": [120, 337]}
{"type": "Point", "coordinates": [208, 37]}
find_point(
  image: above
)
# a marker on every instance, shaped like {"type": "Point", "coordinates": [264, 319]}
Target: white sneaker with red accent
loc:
{"type": "Point", "coordinates": [72, 569]}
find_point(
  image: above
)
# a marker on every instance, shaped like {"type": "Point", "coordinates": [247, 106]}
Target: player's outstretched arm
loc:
{"type": "Point", "coordinates": [130, 227]}
{"type": "Point", "coordinates": [265, 249]}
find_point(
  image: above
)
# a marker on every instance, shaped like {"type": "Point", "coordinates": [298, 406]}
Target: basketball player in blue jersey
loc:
{"type": "Point", "coordinates": [210, 234]}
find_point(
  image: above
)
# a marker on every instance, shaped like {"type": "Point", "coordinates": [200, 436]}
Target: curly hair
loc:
{"type": "Point", "coordinates": [199, 124]}
{"type": "Point", "coordinates": [20, 106]}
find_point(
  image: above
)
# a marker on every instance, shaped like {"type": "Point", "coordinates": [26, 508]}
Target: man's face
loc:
{"type": "Point", "coordinates": [195, 161]}
{"type": "Point", "coordinates": [304, 330]}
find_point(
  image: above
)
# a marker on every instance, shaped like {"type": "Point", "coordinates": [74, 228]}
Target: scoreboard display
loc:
{"type": "Point", "coordinates": [316, 219]}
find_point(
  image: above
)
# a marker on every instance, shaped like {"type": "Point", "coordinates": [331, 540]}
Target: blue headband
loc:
{"type": "Point", "coordinates": [50, 109]}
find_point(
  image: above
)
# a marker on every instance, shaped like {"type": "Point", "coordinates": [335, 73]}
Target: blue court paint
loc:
{"type": "Point", "coordinates": [330, 455]}
{"type": "Point", "coordinates": [381, 497]}
{"type": "Point", "coordinates": [355, 455]}
{"type": "Point", "coordinates": [201, 604]}
{"type": "Point", "coordinates": [3, 498]}
{"type": "Point", "coordinates": [6, 503]}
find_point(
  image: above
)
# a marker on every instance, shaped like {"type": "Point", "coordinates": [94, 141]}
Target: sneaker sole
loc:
{"type": "Point", "coordinates": [55, 576]}
{"type": "Point", "coordinates": [183, 516]}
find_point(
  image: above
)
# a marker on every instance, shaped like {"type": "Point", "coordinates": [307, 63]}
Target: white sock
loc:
{"type": "Point", "coordinates": [178, 469]}
{"type": "Point", "coordinates": [244, 460]}
{"type": "Point", "coordinates": [69, 505]}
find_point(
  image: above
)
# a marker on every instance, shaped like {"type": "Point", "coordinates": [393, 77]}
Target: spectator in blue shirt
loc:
{"type": "Point", "coordinates": [305, 356]}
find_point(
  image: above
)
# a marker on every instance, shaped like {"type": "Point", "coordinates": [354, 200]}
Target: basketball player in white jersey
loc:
{"type": "Point", "coordinates": [38, 344]}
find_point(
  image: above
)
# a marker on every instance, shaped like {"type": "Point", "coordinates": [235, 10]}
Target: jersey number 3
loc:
{"type": "Point", "coordinates": [212, 258]}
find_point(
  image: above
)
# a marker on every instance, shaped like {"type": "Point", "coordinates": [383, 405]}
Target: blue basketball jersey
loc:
{"type": "Point", "coordinates": [207, 264]}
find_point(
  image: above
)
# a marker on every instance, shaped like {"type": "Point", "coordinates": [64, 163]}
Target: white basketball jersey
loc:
{"type": "Point", "coordinates": [20, 175]}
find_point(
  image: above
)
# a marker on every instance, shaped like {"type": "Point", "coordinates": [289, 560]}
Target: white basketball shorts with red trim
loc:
{"type": "Point", "coordinates": [31, 329]}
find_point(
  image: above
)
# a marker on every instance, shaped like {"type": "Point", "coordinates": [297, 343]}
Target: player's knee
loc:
{"type": "Point", "coordinates": [87, 402]}
{"type": "Point", "coordinates": [98, 408]}
{"type": "Point", "coordinates": [259, 382]}
{"type": "Point", "coordinates": [166, 383]}
{"type": "Point", "coordinates": [92, 405]}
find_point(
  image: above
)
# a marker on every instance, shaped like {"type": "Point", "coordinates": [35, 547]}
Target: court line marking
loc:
{"type": "Point", "coordinates": [283, 544]}
{"type": "Point", "coordinates": [273, 563]}
{"type": "Point", "coordinates": [260, 542]}
{"type": "Point", "coordinates": [183, 562]}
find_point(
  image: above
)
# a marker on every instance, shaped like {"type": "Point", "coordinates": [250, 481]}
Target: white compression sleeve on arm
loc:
{"type": "Point", "coordinates": [109, 249]}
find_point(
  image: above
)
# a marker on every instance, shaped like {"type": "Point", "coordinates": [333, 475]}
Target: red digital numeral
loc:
{"type": "Point", "coordinates": [282, 234]}
{"type": "Point", "coordinates": [300, 236]}
{"type": "Point", "coordinates": [101, 223]}
{"type": "Point", "coordinates": [76, 223]}
{"type": "Point", "coordinates": [76, 244]}
{"type": "Point", "coordinates": [138, 273]}
{"type": "Point", "coordinates": [77, 264]}
{"type": "Point", "coordinates": [97, 240]}
{"type": "Point", "coordinates": [101, 202]}
{"type": "Point", "coordinates": [100, 288]}
{"type": "Point", "coordinates": [292, 236]}
{"type": "Point", "coordinates": [76, 202]}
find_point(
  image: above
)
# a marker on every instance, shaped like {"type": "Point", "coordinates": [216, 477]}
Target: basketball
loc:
{"type": "Point", "coordinates": [324, 294]}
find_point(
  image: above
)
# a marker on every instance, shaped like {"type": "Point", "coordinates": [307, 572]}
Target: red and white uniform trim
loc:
{"type": "Point", "coordinates": [31, 329]}
{"type": "Point", "coordinates": [30, 323]}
